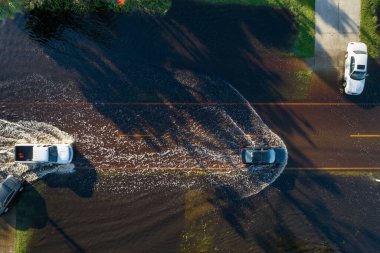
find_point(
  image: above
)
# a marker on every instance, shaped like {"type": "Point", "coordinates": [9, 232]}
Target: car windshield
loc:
{"type": "Point", "coordinates": [53, 154]}
{"type": "Point", "coordinates": [360, 52]}
{"type": "Point", "coordinates": [358, 75]}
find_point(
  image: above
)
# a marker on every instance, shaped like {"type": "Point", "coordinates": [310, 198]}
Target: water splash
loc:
{"type": "Point", "coordinates": [205, 137]}
{"type": "Point", "coordinates": [12, 133]}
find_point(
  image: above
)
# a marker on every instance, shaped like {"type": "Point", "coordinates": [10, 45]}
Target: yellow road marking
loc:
{"type": "Point", "coordinates": [365, 135]}
{"type": "Point", "coordinates": [134, 135]}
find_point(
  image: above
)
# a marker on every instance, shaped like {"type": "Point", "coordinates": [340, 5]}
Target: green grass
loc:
{"type": "Point", "coordinates": [8, 8]}
{"type": "Point", "coordinates": [22, 240]}
{"type": "Point", "coordinates": [198, 228]}
{"type": "Point", "coordinates": [31, 214]}
{"type": "Point", "coordinates": [368, 23]}
{"type": "Point", "coordinates": [148, 6]}
{"type": "Point", "coordinates": [303, 11]}
{"type": "Point", "coordinates": [298, 86]}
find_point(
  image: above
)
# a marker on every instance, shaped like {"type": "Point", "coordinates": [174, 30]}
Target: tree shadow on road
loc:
{"type": "Point", "coordinates": [138, 61]}
{"type": "Point", "coordinates": [300, 211]}
{"type": "Point", "coordinates": [31, 209]}
{"type": "Point", "coordinates": [81, 180]}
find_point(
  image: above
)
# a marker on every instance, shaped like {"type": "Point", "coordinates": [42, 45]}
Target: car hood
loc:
{"type": "Point", "coordinates": [352, 46]}
{"type": "Point", "coordinates": [65, 154]}
{"type": "Point", "coordinates": [355, 87]}
{"type": "Point", "coordinates": [12, 182]}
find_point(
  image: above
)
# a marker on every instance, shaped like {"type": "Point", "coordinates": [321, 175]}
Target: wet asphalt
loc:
{"type": "Point", "coordinates": [79, 67]}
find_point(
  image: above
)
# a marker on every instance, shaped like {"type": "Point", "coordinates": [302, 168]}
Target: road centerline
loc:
{"type": "Point", "coordinates": [365, 135]}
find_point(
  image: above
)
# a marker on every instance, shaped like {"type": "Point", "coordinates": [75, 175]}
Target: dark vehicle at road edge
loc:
{"type": "Point", "coordinates": [8, 190]}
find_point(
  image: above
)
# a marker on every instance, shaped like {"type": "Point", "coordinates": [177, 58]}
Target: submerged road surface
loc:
{"type": "Point", "coordinates": [128, 89]}
{"type": "Point", "coordinates": [318, 135]}
{"type": "Point", "coordinates": [327, 135]}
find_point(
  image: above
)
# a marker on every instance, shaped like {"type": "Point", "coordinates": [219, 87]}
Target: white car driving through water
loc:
{"type": "Point", "coordinates": [44, 153]}
{"type": "Point", "coordinates": [355, 68]}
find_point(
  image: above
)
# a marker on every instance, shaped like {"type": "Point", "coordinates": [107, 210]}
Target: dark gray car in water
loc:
{"type": "Point", "coordinates": [8, 190]}
{"type": "Point", "coordinates": [263, 155]}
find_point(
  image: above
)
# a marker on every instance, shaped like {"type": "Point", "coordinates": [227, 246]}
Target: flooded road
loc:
{"type": "Point", "coordinates": [157, 108]}
{"type": "Point", "coordinates": [300, 212]}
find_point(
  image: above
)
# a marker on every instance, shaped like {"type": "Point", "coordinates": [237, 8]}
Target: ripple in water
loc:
{"type": "Point", "coordinates": [205, 137]}
{"type": "Point", "coordinates": [12, 133]}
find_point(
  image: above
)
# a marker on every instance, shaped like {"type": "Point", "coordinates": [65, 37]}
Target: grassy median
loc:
{"type": "Point", "coordinates": [370, 26]}
{"type": "Point", "coordinates": [303, 11]}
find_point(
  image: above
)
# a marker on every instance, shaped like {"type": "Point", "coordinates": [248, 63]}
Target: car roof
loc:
{"type": "Point", "coordinates": [360, 59]}
{"type": "Point", "coordinates": [263, 155]}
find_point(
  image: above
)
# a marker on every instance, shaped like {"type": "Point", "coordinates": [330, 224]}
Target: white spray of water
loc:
{"type": "Point", "coordinates": [268, 132]}
{"type": "Point", "coordinates": [196, 137]}
{"type": "Point", "coordinates": [209, 138]}
{"type": "Point", "coordinates": [12, 133]}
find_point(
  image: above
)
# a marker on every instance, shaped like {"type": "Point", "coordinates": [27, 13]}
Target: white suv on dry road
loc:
{"type": "Point", "coordinates": [355, 68]}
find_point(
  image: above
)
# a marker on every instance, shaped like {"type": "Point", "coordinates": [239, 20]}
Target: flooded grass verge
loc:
{"type": "Point", "coordinates": [30, 215]}
{"type": "Point", "coordinates": [9, 8]}
{"type": "Point", "coordinates": [22, 240]}
{"type": "Point", "coordinates": [198, 233]}
{"type": "Point", "coordinates": [369, 26]}
{"type": "Point", "coordinates": [298, 86]}
{"type": "Point", "coordinates": [304, 15]}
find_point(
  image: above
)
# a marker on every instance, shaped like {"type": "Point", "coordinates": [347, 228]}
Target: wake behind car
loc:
{"type": "Point", "coordinates": [44, 153]}
{"type": "Point", "coordinates": [355, 68]}
{"type": "Point", "coordinates": [263, 155]}
{"type": "Point", "coordinates": [8, 190]}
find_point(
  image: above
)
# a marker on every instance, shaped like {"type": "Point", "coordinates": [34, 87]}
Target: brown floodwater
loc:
{"type": "Point", "coordinates": [300, 212]}
{"type": "Point", "coordinates": [82, 74]}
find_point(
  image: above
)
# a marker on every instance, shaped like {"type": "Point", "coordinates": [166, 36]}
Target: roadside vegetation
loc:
{"type": "Point", "coordinates": [198, 233]}
{"type": "Point", "coordinates": [370, 26]}
{"type": "Point", "coordinates": [8, 8]}
{"type": "Point", "coordinates": [22, 241]}
{"type": "Point", "coordinates": [303, 11]}
{"type": "Point", "coordinates": [299, 88]}
{"type": "Point", "coordinates": [30, 214]}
